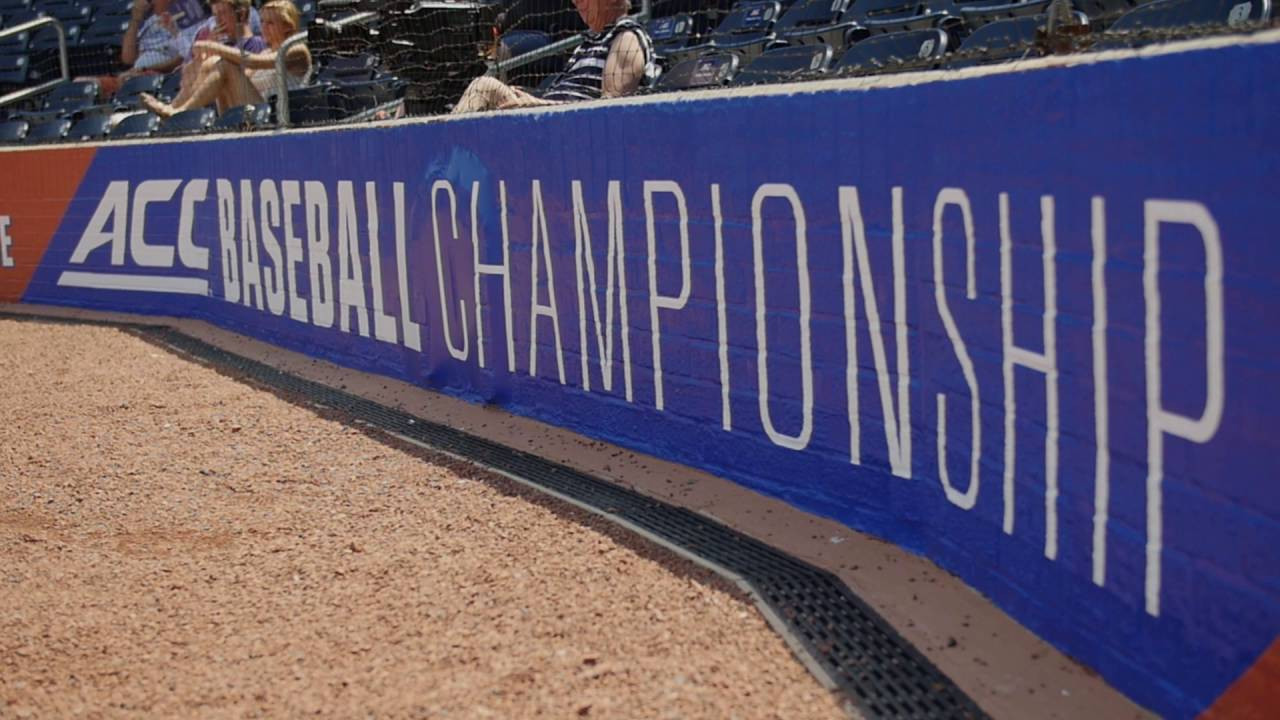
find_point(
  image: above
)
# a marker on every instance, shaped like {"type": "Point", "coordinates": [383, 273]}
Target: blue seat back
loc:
{"type": "Point", "coordinates": [245, 117]}
{"type": "Point", "coordinates": [710, 70]}
{"type": "Point", "coordinates": [999, 41]}
{"type": "Point", "coordinates": [90, 127]}
{"type": "Point", "coordinates": [13, 69]}
{"type": "Point", "coordinates": [12, 131]}
{"type": "Point", "coordinates": [196, 120]}
{"type": "Point", "coordinates": [894, 52]}
{"type": "Point", "coordinates": [51, 131]}
{"type": "Point", "coordinates": [135, 126]}
{"type": "Point", "coordinates": [785, 63]}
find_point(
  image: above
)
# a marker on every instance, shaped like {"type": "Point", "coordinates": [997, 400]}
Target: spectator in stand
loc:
{"type": "Point", "coordinates": [233, 76]}
{"type": "Point", "coordinates": [613, 60]}
{"type": "Point", "coordinates": [148, 45]}
{"type": "Point", "coordinates": [230, 25]}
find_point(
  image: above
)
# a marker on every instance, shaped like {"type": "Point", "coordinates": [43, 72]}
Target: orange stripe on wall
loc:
{"type": "Point", "coordinates": [1255, 695]}
{"type": "Point", "coordinates": [36, 186]}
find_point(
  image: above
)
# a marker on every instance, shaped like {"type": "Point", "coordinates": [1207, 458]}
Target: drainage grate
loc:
{"type": "Point", "coordinates": [851, 645]}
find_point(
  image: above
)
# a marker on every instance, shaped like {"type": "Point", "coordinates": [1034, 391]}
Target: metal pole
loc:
{"type": "Point", "coordinates": [39, 22]}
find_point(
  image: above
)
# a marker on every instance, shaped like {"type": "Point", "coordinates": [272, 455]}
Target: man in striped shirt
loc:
{"type": "Point", "coordinates": [612, 61]}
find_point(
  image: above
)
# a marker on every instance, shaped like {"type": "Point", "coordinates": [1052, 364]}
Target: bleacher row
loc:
{"type": "Point", "coordinates": [698, 44]}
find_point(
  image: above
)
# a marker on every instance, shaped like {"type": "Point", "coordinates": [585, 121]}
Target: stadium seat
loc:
{"type": "Point", "coordinates": [1003, 40]}
{"type": "Point", "coordinates": [746, 31]}
{"type": "Point", "coordinates": [869, 17]}
{"type": "Point", "coordinates": [348, 68]}
{"type": "Point", "coordinates": [670, 34]}
{"type": "Point", "coordinates": [893, 52]}
{"type": "Point", "coordinates": [92, 127]}
{"type": "Point", "coordinates": [1102, 13]}
{"type": "Point", "coordinates": [13, 69]}
{"type": "Point", "coordinates": [170, 85]}
{"type": "Point", "coordinates": [785, 63]}
{"type": "Point", "coordinates": [67, 12]}
{"type": "Point", "coordinates": [245, 117]}
{"type": "Point", "coordinates": [15, 44]}
{"type": "Point", "coordinates": [105, 31]}
{"type": "Point", "coordinates": [815, 21]}
{"type": "Point", "coordinates": [977, 13]}
{"type": "Point", "coordinates": [51, 131]}
{"type": "Point", "coordinates": [9, 7]}
{"type": "Point", "coordinates": [188, 122]}
{"type": "Point", "coordinates": [72, 95]}
{"type": "Point", "coordinates": [310, 105]}
{"type": "Point", "coordinates": [1176, 15]}
{"type": "Point", "coordinates": [141, 125]}
{"type": "Point", "coordinates": [46, 38]}
{"type": "Point", "coordinates": [352, 98]}
{"type": "Point", "coordinates": [127, 95]}
{"type": "Point", "coordinates": [12, 131]}
{"type": "Point", "coordinates": [711, 70]}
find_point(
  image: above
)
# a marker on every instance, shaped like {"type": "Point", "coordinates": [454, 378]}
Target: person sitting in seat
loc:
{"type": "Point", "coordinates": [148, 46]}
{"type": "Point", "coordinates": [231, 25]}
{"type": "Point", "coordinates": [233, 76]}
{"type": "Point", "coordinates": [613, 60]}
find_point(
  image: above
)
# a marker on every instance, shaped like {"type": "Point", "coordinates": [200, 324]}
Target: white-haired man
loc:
{"type": "Point", "coordinates": [613, 60]}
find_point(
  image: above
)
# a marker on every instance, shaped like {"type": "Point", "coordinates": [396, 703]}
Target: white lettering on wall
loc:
{"type": "Point", "coordinates": [540, 249]}
{"type": "Point", "coordinates": [291, 197]}
{"type": "Point", "coordinates": [1160, 420]}
{"type": "Point", "coordinates": [384, 325]}
{"type": "Point", "coordinates": [800, 440]}
{"type": "Point", "coordinates": [269, 212]}
{"type": "Point", "coordinates": [192, 255]}
{"type": "Point", "coordinates": [458, 353]}
{"type": "Point", "coordinates": [968, 498]}
{"type": "Point", "coordinates": [658, 301]}
{"type": "Point", "coordinates": [351, 290]}
{"type": "Point", "coordinates": [1101, 411]}
{"type": "Point", "coordinates": [1045, 363]}
{"type": "Point", "coordinates": [320, 267]}
{"type": "Point", "coordinates": [615, 274]}
{"type": "Point", "coordinates": [502, 269]}
{"type": "Point", "coordinates": [897, 423]}
{"type": "Point", "coordinates": [6, 242]}
{"type": "Point", "coordinates": [229, 257]}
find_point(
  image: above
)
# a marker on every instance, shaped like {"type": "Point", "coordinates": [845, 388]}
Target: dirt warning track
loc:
{"type": "Point", "coordinates": [176, 543]}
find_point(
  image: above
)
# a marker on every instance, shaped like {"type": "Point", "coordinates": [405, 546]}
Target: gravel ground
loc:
{"type": "Point", "coordinates": [174, 543]}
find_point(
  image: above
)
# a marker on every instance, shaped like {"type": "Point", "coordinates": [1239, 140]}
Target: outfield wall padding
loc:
{"type": "Point", "coordinates": [1023, 323]}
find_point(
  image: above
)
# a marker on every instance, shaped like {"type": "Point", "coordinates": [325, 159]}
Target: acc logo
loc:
{"type": "Point", "coordinates": [120, 222]}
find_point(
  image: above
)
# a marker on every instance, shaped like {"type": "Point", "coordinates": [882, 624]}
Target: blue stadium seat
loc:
{"type": "Point", "coordinates": [92, 127]}
{"type": "Point", "coordinates": [815, 21]}
{"type": "Point", "coordinates": [893, 52]}
{"type": "Point", "coordinates": [46, 38]}
{"type": "Point", "coordinates": [9, 7]}
{"type": "Point", "coordinates": [351, 98]}
{"type": "Point", "coordinates": [999, 41]}
{"type": "Point", "coordinates": [170, 85]}
{"type": "Point", "coordinates": [746, 30]}
{"type": "Point", "coordinates": [189, 122]}
{"type": "Point", "coordinates": [348, 68]}
{"type": "Point", "coordinates": [67, 12]}
{"type": "Point", "coordinates": [977, 13]}
{"type": "Point", "coordinates": [671, 33]}
{"type": "Point", "coordinates": [127, 95]}
{"type": "Point", "coordinates": [869, 17]}
{"type": "Point", "coordinates": [140, 125]}
{"type": "Point", "coordinates": [245, 117]}
{"type": "Point", "coordinates": [783, 64]}
{"type": "Point", "coordinates": [310, 105]}
{"type": "Point", "coordinates": [13, 69]}
{"type": "Point", "coordinates": [12, 131]}
{"type": "Point", "coordinates": [52, 131]}
{"type": "Point", "coordinates": [15, 44]}
{"type": "Point", "coordinates": [72, 95]}
{"type": "Point", "coordinates": [712, 70]}
{"type": "Point", "coordinates": [1180, 14]}
{"type": "Point", "coordinates": [1102, 13]}
{"type": "Point", "coordinates": [105, 31]}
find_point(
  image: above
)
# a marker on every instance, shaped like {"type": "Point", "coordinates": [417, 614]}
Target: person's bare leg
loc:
{"type": "Point", "coordinates": [216, 77]}
{"type": "Point", "coordinates": [237, 90]}
{"type": "Point", "coordinates": [485, 93]}
{"type": "Point", "coordinates": [190, 78]}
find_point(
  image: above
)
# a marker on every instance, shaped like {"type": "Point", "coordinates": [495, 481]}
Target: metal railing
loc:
{"type": "Point", "coordinates": [499, 68]}
{"type": "Point", "coordinates": [39, 22]}
{"type": "Point", "coordinates": [282, 79]}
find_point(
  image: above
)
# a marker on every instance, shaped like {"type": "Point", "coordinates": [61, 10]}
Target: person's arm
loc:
{"type": "Point", "coordinates": [624, 68]}
{"type": "Point", "coordinates": [137, 16]}
{"type": "Point", "coordinates": [297, 61]}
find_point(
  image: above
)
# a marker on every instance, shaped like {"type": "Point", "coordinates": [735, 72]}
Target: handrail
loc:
{"type": "Point", "coordinates": [499, 68]}
{"type": "Point", "coordinates": [39, 22]}
{"type": "Point", "coordinates": [282, 81]}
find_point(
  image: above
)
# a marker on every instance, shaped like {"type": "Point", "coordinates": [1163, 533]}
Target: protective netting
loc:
{"type": "Point", "coordinates": [357, 60]}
